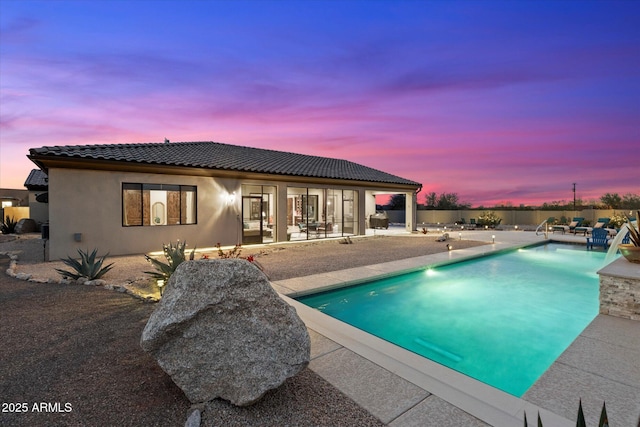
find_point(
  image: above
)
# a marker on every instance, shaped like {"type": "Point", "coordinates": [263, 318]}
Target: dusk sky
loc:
{"type": "Point", "coordinates": [497, 101]}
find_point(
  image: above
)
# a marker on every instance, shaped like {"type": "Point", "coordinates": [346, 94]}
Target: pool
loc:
{"type": "Point", "coordinates": [501, 319]}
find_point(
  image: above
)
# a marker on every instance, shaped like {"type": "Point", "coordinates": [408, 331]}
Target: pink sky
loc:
{"type": "Point", "coordinates": [495, 101]}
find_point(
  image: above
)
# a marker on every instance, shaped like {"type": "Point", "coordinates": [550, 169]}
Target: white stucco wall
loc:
{"type": "Point", "coordinates": [90, 202]}
{"type": "Point", "coordinates": [39, 212]}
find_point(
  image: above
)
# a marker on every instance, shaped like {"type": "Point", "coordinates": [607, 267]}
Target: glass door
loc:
{"type": "Point", "coordinates": [252, 222]}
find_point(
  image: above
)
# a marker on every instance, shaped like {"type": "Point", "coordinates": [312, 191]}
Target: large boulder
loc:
{"type": "Point", "coordinates": [221, 330]}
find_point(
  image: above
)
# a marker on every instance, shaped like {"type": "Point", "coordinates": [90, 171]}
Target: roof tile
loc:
{"type": "Point", "coordinates": [215, 155]}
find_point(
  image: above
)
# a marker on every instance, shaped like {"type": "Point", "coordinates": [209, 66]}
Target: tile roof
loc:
{"type": "Point", "coordinates": [37, 180]}
{"type": "Point", "coordinates": [215, 155]}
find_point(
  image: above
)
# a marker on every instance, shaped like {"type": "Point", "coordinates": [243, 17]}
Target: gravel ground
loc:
{"type": "Point", "coordinates": [76, 348]}
{"type": "Point", "coordinates": [280, 261]}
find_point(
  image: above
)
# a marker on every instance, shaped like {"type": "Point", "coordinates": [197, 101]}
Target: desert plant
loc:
{"type": "Point", "coordinates": [8, 226]}
{"type": "Point", "coordinates": [235, 253]}
{"type": "Point", "coordinates": [231, 253]}
{"type": "Point", "coordinates": [616, 220]}
{"type": "Point", "coordinates": [580, 422]}
{"type": "Point", "coordinates": [489, 219]}
{"type": "Point", "coordinates": [174, 255]}
{"type": "Point", "coordinates": [634, 230]}
{"type": "Point", "coordinates": [88, 267]}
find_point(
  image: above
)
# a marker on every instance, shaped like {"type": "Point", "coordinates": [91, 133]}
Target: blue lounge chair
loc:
{"type": "Point", "coordinates": [575, 222]}
{"type": "Point", "coordinates": [599, 237]}
{"type": "Point", "coordinates": [602, 223]}
{"type": "Point", "coordinates": [626, 239]}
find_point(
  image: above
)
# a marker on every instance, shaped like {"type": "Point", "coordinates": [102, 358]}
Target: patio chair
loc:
{"type": "Point", "coordinates": [602, 223]}
{"type": "Point", "coordinates": [575, 222]}
{"type": "Point", "coordinates": [599, 237]}
{"type": "Point", "coordinates": [627, 238]}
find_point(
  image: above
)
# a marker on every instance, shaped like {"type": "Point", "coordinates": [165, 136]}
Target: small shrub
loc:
{"type": "Point", "coordinates": [616, 221]}
{"type": "Point", "coordinates": [232, 253]}
{"type": "Point", "coordinates": [174, 255]}
{"type": "Point", "coordinates": [235, 253]}
{"type": "Point", "coordinates": [8, 226]}
{"type": "Point", "coordinates": [88, 267]}
{"type": "Point", "coordinates": [489, 219]}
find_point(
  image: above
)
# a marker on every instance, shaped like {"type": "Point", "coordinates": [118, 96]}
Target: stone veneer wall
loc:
{"type": "Point", "coordinates": [620, 296]}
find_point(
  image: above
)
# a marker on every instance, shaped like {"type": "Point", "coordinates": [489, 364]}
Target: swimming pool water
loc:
{"type": "Point", "coordinates": [501, 319]}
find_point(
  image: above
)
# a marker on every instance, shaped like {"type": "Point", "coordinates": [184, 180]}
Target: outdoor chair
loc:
{"type": "Point", "coordinates": [324, 228]}
{"type": "Point", "coordinates": [599, 237]}
{"type": "Point", "coordinates": [575, 222]}
{"type": "Point", "coordinates": [626, 239]}
{"type": "Point", "coordinates": [602, 223]}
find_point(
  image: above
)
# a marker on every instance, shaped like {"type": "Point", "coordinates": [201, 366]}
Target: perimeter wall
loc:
{"type": "Point", "coordinates": [509, 216]}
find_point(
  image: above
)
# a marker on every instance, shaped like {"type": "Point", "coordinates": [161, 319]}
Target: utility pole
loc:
{"type": "Point", "coordinates": [574, 196]}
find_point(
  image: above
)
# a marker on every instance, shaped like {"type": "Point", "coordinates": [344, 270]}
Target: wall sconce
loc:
{"type": "Point", "coordinates": [493, 238]}
{"type": "Point", "coordinates": [231, 198]}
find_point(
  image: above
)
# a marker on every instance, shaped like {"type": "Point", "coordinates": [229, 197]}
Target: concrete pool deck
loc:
{"type": "Point", "coordinates": [403, 389]}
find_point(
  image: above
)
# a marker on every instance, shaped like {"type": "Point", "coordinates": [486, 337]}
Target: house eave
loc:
{"type": "Point", "coordinates": [47, 162]}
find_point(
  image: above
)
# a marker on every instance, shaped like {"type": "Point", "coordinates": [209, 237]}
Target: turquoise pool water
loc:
{"type": "Point", "coordinates": [501, 319]}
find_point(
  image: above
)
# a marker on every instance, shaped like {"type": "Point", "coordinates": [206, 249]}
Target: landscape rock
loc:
{"type": "Point", "coordinates": [194, 419]}
{"type": "Point", "coordinates": [221, 331]}
{"type": "Point", "coordinates": [26, 225]}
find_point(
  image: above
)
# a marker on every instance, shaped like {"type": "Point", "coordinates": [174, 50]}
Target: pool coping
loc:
{"type": "Point", "coordinates": [480, 400]}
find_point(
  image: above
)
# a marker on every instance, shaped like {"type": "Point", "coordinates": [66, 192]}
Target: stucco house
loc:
{"type": "Point", "coordinates": [132, 198]}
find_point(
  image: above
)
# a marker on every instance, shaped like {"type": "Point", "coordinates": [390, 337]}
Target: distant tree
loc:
{"type": "Point", "coordinates": [431, 200]}
{"type": "Point", "coordinates": [630, 201]}
{"type": "Point", "coordinates": [397, 202]}
{"type": "Point", "coordinates": [448, 201]}
{"type": "Point", "coordinates": [444, 201]}
{"type": "Point", "coordinates": [611, 200]}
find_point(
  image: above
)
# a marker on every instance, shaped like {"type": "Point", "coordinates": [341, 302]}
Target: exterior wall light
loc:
{"type": "Point", "coordinates": [231, 198]}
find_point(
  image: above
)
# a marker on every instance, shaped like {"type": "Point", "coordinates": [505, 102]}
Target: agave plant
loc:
{"type": "Point", "coordinates": [174, 255]}
{"type": "Point", "coordinates": [634, 231]}
{"type": "Point", "coordinates": [8, 226]}
{"type": "Point", "coordinates": [88, 266]}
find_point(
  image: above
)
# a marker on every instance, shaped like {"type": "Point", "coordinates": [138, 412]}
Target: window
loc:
{"type": "Point", "coordinates": [158, 204]}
